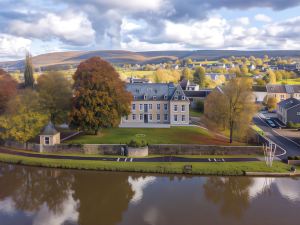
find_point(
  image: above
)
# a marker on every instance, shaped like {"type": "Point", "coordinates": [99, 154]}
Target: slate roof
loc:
{"type": "Point", "coordinates": [281, 88]}
{"type": "Point", "coordinates": [184, 84]}
{"type": "Point", "coordinates": [289, 103]}
{"type": "Point", "coordinates": [257, 88]}
{"type": "Point", "coordinates": [149, 90]}
{"type": "Point", "coordinates": [199, 94]}
{"type": "Point", "coordinates": [49, 129]}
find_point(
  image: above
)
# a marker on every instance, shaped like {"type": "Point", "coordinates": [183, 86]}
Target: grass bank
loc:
{"type": "Point", "coordinates": [214, 168]}
{"type": "Point", "coordinates": [173, 135]}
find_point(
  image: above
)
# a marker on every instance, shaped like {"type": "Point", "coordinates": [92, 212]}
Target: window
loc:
{"type": "Point", "coordinates": [165, 106]}
{"type": "Point", "coordinates": [183, 118]}
{"type": "Point", "coordinates": [158, 106]}
{"type": "Point", "coordinates": [165, 117]}
{"type": "Point", "coordinates": [145, 97]}
{"type": "Point", "coordinates": [165, 97]}
{"type": "Point", "coordinates": [133, 106]}
{"type": "Point", "coordinates": [175, 108]}
{"type": "Point", "coordinates": [158, 117]}
{"type": "Point", "coordinates": [141, 116]}
{"type": "Point", "coordinates": [183, 97]}
{"type": "Point", "coordinates": [183, 108]}
{"type": "Point", "coordinates": [154, 97]}
{"type": "Point", "coordinates": [175, 118]}
{"type": "Point", "coordinates": [141, 107]}
{"type": "Point", "coordinates": [175, 97]}
{"type": "Point", "coordinates": [134, 97]}
{"type": "Point", "coordinates": [298, 113]}
{"type": "Point", "coordinates": [47, 140]}
{"type": "Point", "coordinates": [133, 117]}
{"type": "Point", "coordinates": [150, 106]}
{"type": "Point", "coordinates": [150, 116]}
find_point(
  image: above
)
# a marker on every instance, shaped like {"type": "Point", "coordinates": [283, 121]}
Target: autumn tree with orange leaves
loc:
{"type": "Point", "coordinates": [8, 88]}
{"type": "Point", "coordinates": [100, 98]}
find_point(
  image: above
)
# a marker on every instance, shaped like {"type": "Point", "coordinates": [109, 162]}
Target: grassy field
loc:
{"type": "Point", "coordinates": [214, 168]}
{"type": "Point", "coordinates": [195, 113]}
{"type": "Point", "coordinates": [173, 135]}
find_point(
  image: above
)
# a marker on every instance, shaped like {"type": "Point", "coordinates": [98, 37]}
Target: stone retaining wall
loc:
{"type": "Point", "coordinates": [160, 149]}
{"type": "Point", "coordinates": [189, 149]}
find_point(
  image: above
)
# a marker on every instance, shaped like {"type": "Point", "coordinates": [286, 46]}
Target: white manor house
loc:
{"type": "Point", "coordinates": [156, 104]}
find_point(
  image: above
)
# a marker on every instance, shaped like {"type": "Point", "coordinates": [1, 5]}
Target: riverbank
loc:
{"type": "Point", "coordinates": [198, 168]}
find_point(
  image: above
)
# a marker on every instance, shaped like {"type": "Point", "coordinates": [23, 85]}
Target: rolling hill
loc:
{"type": "Point", "coordinates": [121, 57]}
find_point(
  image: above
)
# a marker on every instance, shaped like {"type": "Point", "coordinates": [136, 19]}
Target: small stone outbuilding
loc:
{"type": "Point", "coordinates": [49, 135]}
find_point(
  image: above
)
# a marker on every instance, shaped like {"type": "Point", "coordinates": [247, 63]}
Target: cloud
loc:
{"type": "Point", "coordinates": [262, 18]}
{"type": "Point", "coordinates": [71, 27]}
{"type": "Point", "coordinates": [243, 21]}
{"type": "Point", "coordinates": [143, 25]}
{"type": "Point", "coordinates": [12, 47]}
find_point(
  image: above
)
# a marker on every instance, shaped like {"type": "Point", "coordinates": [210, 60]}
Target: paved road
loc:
{"type": "Point", "coordinates": [116, 159]}
{"type": "Point", "coordinates": [284, 145]}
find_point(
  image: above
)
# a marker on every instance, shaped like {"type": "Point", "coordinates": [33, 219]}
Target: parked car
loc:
{"type": "Point", "coordinates": [271, 123]}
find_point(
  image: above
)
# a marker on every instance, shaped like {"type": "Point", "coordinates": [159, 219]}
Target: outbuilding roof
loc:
{"type": "Point", "coordinates": [49, 129]}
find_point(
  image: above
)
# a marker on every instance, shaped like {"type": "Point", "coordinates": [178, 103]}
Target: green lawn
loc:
{"type": "Point", "coordinates": [214, 168]}
{"type": "Point", "coordinates": [173, 135]}
{"type": "Point", "coordinates": [195, 113]}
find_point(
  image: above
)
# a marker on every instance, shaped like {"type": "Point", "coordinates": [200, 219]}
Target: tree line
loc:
{"type": "Point", "coordinates": [96, 98]}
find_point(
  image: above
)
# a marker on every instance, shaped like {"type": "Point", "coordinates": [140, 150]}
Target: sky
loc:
{"type": "Point", "coordinates": [42, 26]}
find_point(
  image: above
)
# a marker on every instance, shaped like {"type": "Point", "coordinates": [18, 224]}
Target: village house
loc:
{"type": "Point", "coordinates": [259, 93]}
{"type": "Point", "coordinates": [156, 104]}
{"type": "Point", "coordinates": [186, 85]}
{"type": "Point", "coordinates": [288, 111]}
{"type": "Point", "coordinates": [282, 92]}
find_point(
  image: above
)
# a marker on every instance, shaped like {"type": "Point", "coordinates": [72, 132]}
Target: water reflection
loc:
{"type": "Point", "coordinates": [231, 194]}
{"type": "Point", "coordinates": [35, 196]}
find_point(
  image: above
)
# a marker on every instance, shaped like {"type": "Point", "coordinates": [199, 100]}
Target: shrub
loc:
{"type": "Point", "coordinates": [137, 143]}
{"type": "Point", "coordinates": [293, 125]}
{"type": "Point", "coordinates": [199, 106]}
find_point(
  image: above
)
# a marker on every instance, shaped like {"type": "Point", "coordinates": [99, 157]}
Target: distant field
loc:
{"type": "Point", "coordinates": [173, 135]}
{"type": "Point", "coordinates": [136, 73]}
{"type": "Point", "coordinates": [290, 81]}
{"type": "Point", "coordinates": [205, 62]}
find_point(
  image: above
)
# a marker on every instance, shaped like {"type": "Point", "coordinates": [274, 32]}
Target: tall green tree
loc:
{"type": "Point", "coordinates": [199, 76]}
{"type": "Point", "coordinates": [100, 98]}
{"type": "Point", "coordinates": [28, 73]}
{"type": "Point", "coordinates": [55, 93]}
{"type": "Point", "coordinates": [232, 106]}
{"type": "Point", "coordinates": [23, 118]}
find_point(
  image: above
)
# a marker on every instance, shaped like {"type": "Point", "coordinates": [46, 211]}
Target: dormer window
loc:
{"type": "Point", "coordinates": [155, 91]}
{"type": "Point", "coordinates": [145, 97]}
{"type": "Point", "coordinates": [183, 97]}
{"type": "Point", "coordinates": [134, 97]}
{"type": "Point", "coordinates": [165, 97]}
{"type": "Point", "coordinates": [137, 91]}
{"type": "Point", "coordinates": [175, 97]}
{"type": "Point", "coordinates": [154, 97]}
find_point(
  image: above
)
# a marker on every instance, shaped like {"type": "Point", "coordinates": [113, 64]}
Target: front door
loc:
{"type": "Point", "coordinates": [145, 118]}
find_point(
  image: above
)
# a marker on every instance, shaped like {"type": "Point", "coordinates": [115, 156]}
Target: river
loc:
{"type": "Point", "coordinates": [39, 196]}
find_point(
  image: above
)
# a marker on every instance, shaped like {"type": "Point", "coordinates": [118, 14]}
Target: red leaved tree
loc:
{"type": "Point", "coordinates": [8, 88]}
{"type": "Point", "coordinates": [100, 98]}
